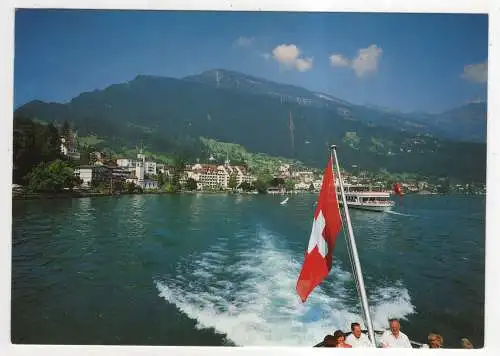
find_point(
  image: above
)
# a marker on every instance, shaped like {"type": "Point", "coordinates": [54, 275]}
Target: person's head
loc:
{"type": "Point", "coordinates": [356, 330]}
{"type": "Point", "coordinates": [466, 344]}
{"type": "Point", "coordinates": [329, 341]}
{"type": "Point", "coordinates": [339, 337]}
{"type": "Point", "coordinates": [435, 341]}
{"type": "Point", "coordinates": [394, 326]}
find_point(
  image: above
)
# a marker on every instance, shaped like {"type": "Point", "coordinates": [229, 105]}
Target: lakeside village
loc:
{"type": "Point", "coordinates": [105, 175]}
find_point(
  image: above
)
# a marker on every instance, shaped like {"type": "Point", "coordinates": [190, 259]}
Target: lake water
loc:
{"type": "Point", "coordinates": [221, 270]}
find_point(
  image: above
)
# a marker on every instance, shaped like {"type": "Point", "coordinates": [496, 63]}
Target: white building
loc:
{"type": "Point", "coordinates": [208, 176]}
{"type": "Point", "coordinates": [139, 169]}
{"type": "Point", "coordinates": [126, 162]}
{"type": "Point", "coordinates": [284, 170]}
{"type": "Point", "coordinates": [304, 176]}
{"type": "Point", "coordinates": [150, 168]}
{"type": "Point", "coordinates": [150, 184]}
{"type": "Point", "coordinates": [317, 184]}
{"type": "Point", "coordinates": [302, 186]}
{"type": "Point", "coordinates": [213, 177]}
{"type": "Point", "coordinates": [93, 174]}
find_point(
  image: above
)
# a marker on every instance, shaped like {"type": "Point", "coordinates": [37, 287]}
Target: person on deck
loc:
{"type": "Point", "coordinates": [340, 339]}
{"type": "Point", "coordinates": [466, 344]}
{"type": "Point", "coordinates": [394, 337]}
{"type": "Point", "coordinates": [357, 338]}
{"type": "Point", "coordinates": [434, 341]}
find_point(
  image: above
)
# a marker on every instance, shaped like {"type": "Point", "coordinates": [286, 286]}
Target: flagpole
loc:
{"type": "Point", "coordinates": [359, 274]}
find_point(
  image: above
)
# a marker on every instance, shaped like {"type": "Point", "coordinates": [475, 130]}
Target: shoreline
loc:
{"type": "Point", "coordinates": [75, 194]}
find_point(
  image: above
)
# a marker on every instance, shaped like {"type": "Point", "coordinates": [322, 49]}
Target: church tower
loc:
{"type": "Point", "coordinates": [139, 168]}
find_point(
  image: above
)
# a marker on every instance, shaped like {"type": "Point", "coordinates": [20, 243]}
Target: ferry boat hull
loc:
{"type": "Point", "coordinates": [369, 207]}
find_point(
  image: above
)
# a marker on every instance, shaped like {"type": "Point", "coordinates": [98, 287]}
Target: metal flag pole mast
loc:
{"type": "Point", "coordinates": [357, 265]}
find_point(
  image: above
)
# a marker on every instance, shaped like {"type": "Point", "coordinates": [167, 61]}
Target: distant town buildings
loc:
{"type": "Point", "coordinates": [145, 173]}
{"type": "Point", "coordinates": [215, 177]}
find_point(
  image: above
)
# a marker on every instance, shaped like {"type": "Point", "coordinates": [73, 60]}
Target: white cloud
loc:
{"type": "Point", "coordinates": [243, 41]}
{"type": "Point", "coordinates": [366, 62]}
{"type": "Point", "coordinates": [286, 54]}
{"type": "Point", "coordinates": [289, 56]}
{"type": "Point", "coordinates": [303, 64]}
{"type": "Point", "coordinates": [476, 72]}
{"type": "Point", "coordinates": [338, 60]}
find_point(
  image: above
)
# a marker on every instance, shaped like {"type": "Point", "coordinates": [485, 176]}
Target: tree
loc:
{"type": "Point", "coordinates": [53, 177]}
{"type": "Point", "coordinates": [168, 188]}
{"type": "Point", "coordinates": [53, 142]}
{"type": "Point", "coordinates": [118, 186]}
{"type": "Point", "coordinates": [103, 187]}
{"type": "Point", "coordinates": [444, 187]}
{"type": "Point", "coordinates": [179, 165]}
{"type": "Point", "coordinates": [289, 185]}
{"type": "Point", "coordinates": [65, 130]}
{"type": "Point", "coordinates": [130, 187]}
{"type": "Point", "coordinates": [261, 185]}
{"type": "Point", "coordinates": [24, 150]}
{"type": "Point", "coordinates": [232, 183]}
{"type": "Point", "coordinates": [277, 182]}
{"type": "Point", "coordinates": [246, 187]}
{"type": "Point", "coordinates": [161, 180]}
{"type": "Point", "coordinates": [191, 184]}
{"type": "Point", "coordinates": [85, 155]}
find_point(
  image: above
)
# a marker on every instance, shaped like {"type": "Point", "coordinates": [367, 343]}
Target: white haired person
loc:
{"type": "Point", "coordinates": [394, 337]}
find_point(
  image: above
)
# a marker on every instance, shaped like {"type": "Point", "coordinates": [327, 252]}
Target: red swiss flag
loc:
{"type": "Point", "coordinates": [326, 225]}
{"type": "Point", "coordinates": [397, 189]}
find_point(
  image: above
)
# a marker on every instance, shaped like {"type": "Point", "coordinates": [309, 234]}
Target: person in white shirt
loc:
{"type": "Point", "coordinates": [394, 337]}
{"type": "Point", "coordinates": [434, 341]}
{"type": "Point", "coordinates": [357, 338]}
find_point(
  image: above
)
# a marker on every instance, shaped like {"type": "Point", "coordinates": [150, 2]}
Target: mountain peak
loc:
{"type": "Point", "coordinates": [286, 93]}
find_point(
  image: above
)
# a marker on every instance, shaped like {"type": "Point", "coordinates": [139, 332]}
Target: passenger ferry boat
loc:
{"type": "Point", "coordinates": [366, 197]}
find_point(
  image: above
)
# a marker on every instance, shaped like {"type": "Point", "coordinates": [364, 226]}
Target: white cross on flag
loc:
{"type": "Point", "coordinates": [326, 225]}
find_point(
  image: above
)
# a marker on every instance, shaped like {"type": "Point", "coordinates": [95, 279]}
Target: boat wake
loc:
{"type": "Point", "coordinates": [248, 293]}
{"type": "Point", "coordinates": [397, 213]}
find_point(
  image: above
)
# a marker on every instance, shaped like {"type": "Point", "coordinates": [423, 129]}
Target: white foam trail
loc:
{"type": "Point", "coordinates": [396, 213]}
{"type": "Point", "coordinates": [253, 300]}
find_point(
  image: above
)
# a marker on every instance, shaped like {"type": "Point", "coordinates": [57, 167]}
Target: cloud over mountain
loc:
{"type": "Point", "coordinates": [290, 57]}
{"type": "Point", "coordinates": [476, 72]}
{"type": "Point", "coordinates": [365, 63]}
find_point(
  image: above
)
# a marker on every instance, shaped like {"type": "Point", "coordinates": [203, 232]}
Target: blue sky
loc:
{"type": "Point", "coordinates": [409, 62]}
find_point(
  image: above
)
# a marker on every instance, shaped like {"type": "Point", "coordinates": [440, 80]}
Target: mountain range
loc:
{"type": "Point", "coordinates": [467, 123]}
{"type": "Point", "coordinates": [170, 114]}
